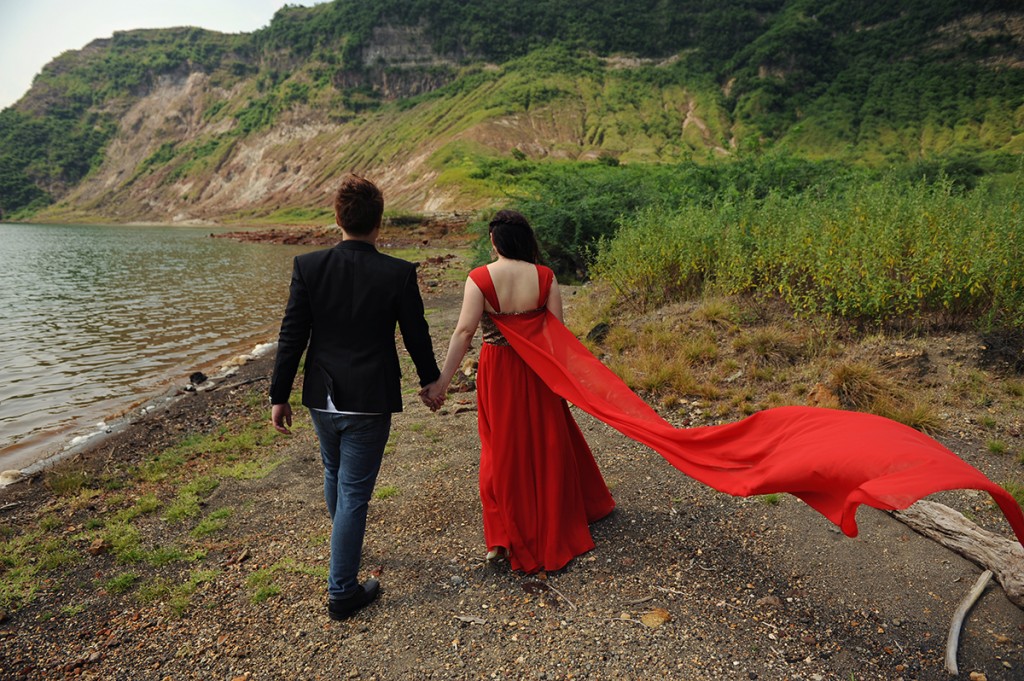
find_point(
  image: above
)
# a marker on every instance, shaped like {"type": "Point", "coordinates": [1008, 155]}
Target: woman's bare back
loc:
{"type": "Point", "coordinates": [516, 283]}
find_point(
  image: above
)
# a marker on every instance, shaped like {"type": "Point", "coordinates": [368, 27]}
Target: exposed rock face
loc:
{"type": "Point", "coordinates": [174, 160]}
{"type": "Point", "coordinates": [239, 127]}
{"type": "Point", "coordinates": [404, 46]}
{"type": "Point", "coordinates": [395, 83]}
{"type": "Point", "coordinates": [292, 163]}
{"type": "Point", "coordinates": [400, 62]}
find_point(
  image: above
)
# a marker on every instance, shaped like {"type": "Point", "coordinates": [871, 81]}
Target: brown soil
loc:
{"type": "Point", "coordinates": [685, 583]}
{"type": "Point", "coordinates": [442, 230]}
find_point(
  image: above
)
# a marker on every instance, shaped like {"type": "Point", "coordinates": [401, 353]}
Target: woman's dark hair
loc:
{"type": "Point", "coordinates": [513, 236]}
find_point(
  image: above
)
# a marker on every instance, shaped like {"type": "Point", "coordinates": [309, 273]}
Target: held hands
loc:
{"type": "Point", "coordinates": [281, 418]}
{"type": "Point", "coordinates": [433, 395]}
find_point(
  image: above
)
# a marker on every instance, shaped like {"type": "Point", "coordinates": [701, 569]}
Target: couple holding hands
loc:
{"type": "Point", "coordinates": [540, 486]}
{"type": "Point", "coordinates": [539, 483]}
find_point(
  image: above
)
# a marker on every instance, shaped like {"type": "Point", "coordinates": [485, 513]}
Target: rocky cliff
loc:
{"type": "Point", "coordinates": [174, 159]}
{"type": "Point", "coordinates": [184, 125]}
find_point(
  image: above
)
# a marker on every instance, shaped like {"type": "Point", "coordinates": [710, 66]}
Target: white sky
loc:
{"type": "Point", "coordinates": [33, 32]}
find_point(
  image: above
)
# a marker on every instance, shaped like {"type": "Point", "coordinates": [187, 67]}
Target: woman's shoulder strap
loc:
{"type": "Point", "coordinates": [544, 278]}
{"type": "Point", "coordinates": [481, 276]}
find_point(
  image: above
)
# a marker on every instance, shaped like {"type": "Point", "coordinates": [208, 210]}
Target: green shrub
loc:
{"type": "Point", "coordinates": [876, 251]}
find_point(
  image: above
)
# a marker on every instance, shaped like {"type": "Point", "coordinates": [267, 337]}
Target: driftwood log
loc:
{"type": "Point", "coordinates": [1000, 556]}
{"type": "Point", "coordinates": [1004, 557]}
{"type": "Point", "coordinates": [953, 640]}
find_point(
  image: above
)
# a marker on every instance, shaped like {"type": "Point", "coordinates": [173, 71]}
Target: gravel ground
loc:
{"type": "Point", "coordinates": [685, 583]}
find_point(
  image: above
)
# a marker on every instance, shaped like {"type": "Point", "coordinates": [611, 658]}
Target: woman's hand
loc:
{"type": "Point", "coordinates": [433, 395]}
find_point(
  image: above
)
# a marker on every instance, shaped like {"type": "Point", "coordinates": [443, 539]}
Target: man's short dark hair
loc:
{"type": "Point", "coordinates": [358, 205]}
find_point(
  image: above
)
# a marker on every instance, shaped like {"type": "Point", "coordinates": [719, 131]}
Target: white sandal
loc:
{"type": "Point", "coordinates": [496, 554]}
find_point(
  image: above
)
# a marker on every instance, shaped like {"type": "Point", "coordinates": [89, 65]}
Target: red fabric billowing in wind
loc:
{"type": "Point", "coordinates": [833, 460]}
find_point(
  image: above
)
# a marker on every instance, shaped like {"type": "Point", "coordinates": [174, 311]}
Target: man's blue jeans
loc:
{"type": "Point", "coordinates": [351, 447]}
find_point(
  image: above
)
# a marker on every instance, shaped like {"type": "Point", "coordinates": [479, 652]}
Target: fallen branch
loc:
{"type": "Point", "coordinates": [1004, 557]}
{"type": "Point", "coordinates": [953, 640]}
{"type": "Point", "coordinates": [571, 604]}
{"type": "Point", "coordinates": [535, 587]}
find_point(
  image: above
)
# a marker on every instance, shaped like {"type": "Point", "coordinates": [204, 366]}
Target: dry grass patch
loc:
{"type": "Point", "coordinates": [700, 350]}
{"type": "Point", "coordinates": [718, 312]}
{"type": "Point", "coordinates": [670, 402]}
{"type": "Point", "coordinates": [771, 345]}
{"type": "Point", "coordinates": [593, 306]}
{"type": "Point", "coordinates": [860, 386]}
{"type": "Point", "coordinates": [918, 415]}
{"type": "Point", "coordinates": [620, 339]}
{"type": "Point", "coordinates": [658, 373]}
{"type": "Point", "coordinates": [863, 387]}
{"type": "Point", "coordinates": [659, 337]}
{"type": "Point", "coordinates": [708, 391]}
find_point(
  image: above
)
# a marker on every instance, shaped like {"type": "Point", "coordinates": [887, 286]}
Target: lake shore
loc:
{"type": "Point", "coordinates": [115, 316]}
{"type": "Point", "coordinates": [84, 388]}
{"type": "Point", "coordinates": [77, 439]}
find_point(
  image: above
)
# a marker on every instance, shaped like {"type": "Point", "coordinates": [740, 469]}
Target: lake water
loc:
{"type": "Point", "coordinates": [97, 318]}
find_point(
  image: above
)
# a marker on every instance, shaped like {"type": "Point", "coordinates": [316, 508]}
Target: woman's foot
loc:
{"type": "Point", "coordinates": [496, 554]}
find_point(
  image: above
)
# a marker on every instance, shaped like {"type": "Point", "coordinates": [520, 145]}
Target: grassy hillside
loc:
{"type": "Point", "coordinates": [425, 91]}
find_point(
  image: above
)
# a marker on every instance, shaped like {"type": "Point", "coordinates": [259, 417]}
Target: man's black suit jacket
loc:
{"type": "Point", "coordinates": [343, 304]}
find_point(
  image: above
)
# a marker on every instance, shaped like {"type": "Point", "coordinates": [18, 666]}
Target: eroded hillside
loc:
{"type": "Point", "coordinates": [172, 160]}
{"type": "Point", "coordinates": [186, 125]}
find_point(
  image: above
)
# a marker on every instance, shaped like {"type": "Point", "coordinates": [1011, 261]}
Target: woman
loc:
{"type": "Point", "coordinates": [539, 484]}
{"type": "Point", "coordinates": [538, 480]}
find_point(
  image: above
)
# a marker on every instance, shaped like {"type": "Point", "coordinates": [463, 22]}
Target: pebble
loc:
{"type": "Point", "coordinates": [99, 547]}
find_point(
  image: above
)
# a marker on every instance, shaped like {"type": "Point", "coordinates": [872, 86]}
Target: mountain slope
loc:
{"type": "Point", "coordinates": [189, 125]}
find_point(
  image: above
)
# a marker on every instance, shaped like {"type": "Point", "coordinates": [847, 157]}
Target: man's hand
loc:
{"type": "Point", "coordinates": [281, 417]}
{"type": "Point", "coordinates": [432, 395]}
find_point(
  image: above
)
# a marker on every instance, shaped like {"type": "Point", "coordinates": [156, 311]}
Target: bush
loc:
{"type": "Point", "coordinates": [877, 252]}
{"type": "Point", "coordinates": [575, 206]}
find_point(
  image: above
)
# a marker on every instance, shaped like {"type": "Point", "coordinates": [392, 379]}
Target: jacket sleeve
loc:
{"type": "Point", "coordinates": [416, 332]}
{"type": "Point", "coordinates": [292, 339]}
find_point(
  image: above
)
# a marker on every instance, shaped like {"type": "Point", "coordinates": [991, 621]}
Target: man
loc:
{"type": "Point", "coordinates": [343, 305]}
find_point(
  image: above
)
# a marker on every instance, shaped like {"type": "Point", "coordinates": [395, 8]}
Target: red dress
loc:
{"type": "Point", "coordinates": [539, 484]}
{"type": "Point", "coordinates": [833, 460]}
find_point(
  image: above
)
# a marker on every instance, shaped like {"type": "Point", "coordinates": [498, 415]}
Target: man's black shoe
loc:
{"type": "Point", "coordinates": [345, 607]}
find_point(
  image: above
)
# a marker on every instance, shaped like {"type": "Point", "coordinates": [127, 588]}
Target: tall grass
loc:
{"type": "Point", "coordinates": [877, 251]}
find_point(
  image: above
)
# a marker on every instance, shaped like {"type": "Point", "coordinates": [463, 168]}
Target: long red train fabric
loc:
{"type": "Point", "coordinates": [833, 460]}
